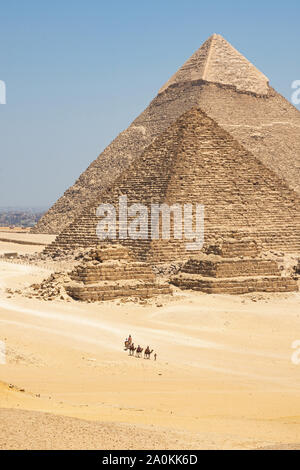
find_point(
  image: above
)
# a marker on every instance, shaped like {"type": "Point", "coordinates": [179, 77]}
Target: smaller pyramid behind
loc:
{"type": "Point", "coordinates": [218, 61]}
{"type": "Point", "coordinates": [197, 162]}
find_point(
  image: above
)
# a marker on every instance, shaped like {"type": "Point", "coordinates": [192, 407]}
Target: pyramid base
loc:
{"type": "Point", "coordinates": [238, 285]}
{"type": "Point", "coordinates": [114, 290]}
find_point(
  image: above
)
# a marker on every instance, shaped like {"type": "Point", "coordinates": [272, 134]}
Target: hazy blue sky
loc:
{"type": "Point", "coordinates": [78, 72]}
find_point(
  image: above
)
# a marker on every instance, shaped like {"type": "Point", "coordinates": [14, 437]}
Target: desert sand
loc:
{"type": "Point", "coordinates": [12, 241]}
{"type": "Point", "coordinates": [223, 376]}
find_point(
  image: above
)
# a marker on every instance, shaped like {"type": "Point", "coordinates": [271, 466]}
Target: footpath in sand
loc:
{"type": "Point", "coordinates": [223, 376]}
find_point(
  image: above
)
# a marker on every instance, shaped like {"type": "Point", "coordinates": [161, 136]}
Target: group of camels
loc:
{"type": "Point", "coordinates": [129, 345]}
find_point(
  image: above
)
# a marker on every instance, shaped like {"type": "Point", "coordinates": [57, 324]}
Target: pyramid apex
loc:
{"type": "Point", "coordinates": [217, 61]}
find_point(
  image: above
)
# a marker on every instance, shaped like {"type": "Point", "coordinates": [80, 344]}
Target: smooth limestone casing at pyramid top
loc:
{"type": "Point", "coordinates": [196, 161]}
{"type": "Point", "coordinates": [221, 82]}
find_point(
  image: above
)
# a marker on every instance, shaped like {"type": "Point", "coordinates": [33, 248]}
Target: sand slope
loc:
{"type": "Point", "coordinates": [223, 377]}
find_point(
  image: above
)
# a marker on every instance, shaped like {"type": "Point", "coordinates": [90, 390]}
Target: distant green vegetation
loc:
{"type": "Point", "coordinates": [15, 217]}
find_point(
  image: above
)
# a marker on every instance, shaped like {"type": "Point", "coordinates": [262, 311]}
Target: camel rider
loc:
{"type": "Point", "coordinates": [129, 339]}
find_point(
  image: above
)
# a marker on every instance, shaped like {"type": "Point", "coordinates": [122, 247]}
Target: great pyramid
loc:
{"type": "Point", "coordinates": [196, 161]}
{"type": "Point", "coordinates": [230, 90]}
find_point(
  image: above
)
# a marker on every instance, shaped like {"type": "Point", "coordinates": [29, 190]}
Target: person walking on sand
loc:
{"type": "Point", "coordinates": [155, 355]}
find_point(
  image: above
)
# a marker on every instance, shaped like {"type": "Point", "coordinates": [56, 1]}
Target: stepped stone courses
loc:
{"type": "Point", "coordinates": [216, 274]}
{"type": "Point", "coordinates": [231, 91]}
{"type": "Point", "coordinates": [233, 247]}
{"type": "Point", "coordinates": [235, 286]}
{"type": "Point", "coordinates": [112, 274]}
{"type": "Point", "coordinates": [195, 160]}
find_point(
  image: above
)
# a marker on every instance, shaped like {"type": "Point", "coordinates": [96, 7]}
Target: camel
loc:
{"type": "Point", "coordinates": [128, 343]}
{"type": "Point", "coordinates": [139, 351]}
{"type": "Point", "coordinates": [147, 353]}
{"type": "Point", "coordinates": [131, 349]}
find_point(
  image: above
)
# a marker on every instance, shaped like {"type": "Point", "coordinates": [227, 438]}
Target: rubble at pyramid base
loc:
{"type": "Point", "coordinates": [222, 274]}
{"type": "Point", "coordinates": [235, 265]}
{"type": "Point", "coordinates": [111, 273]}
